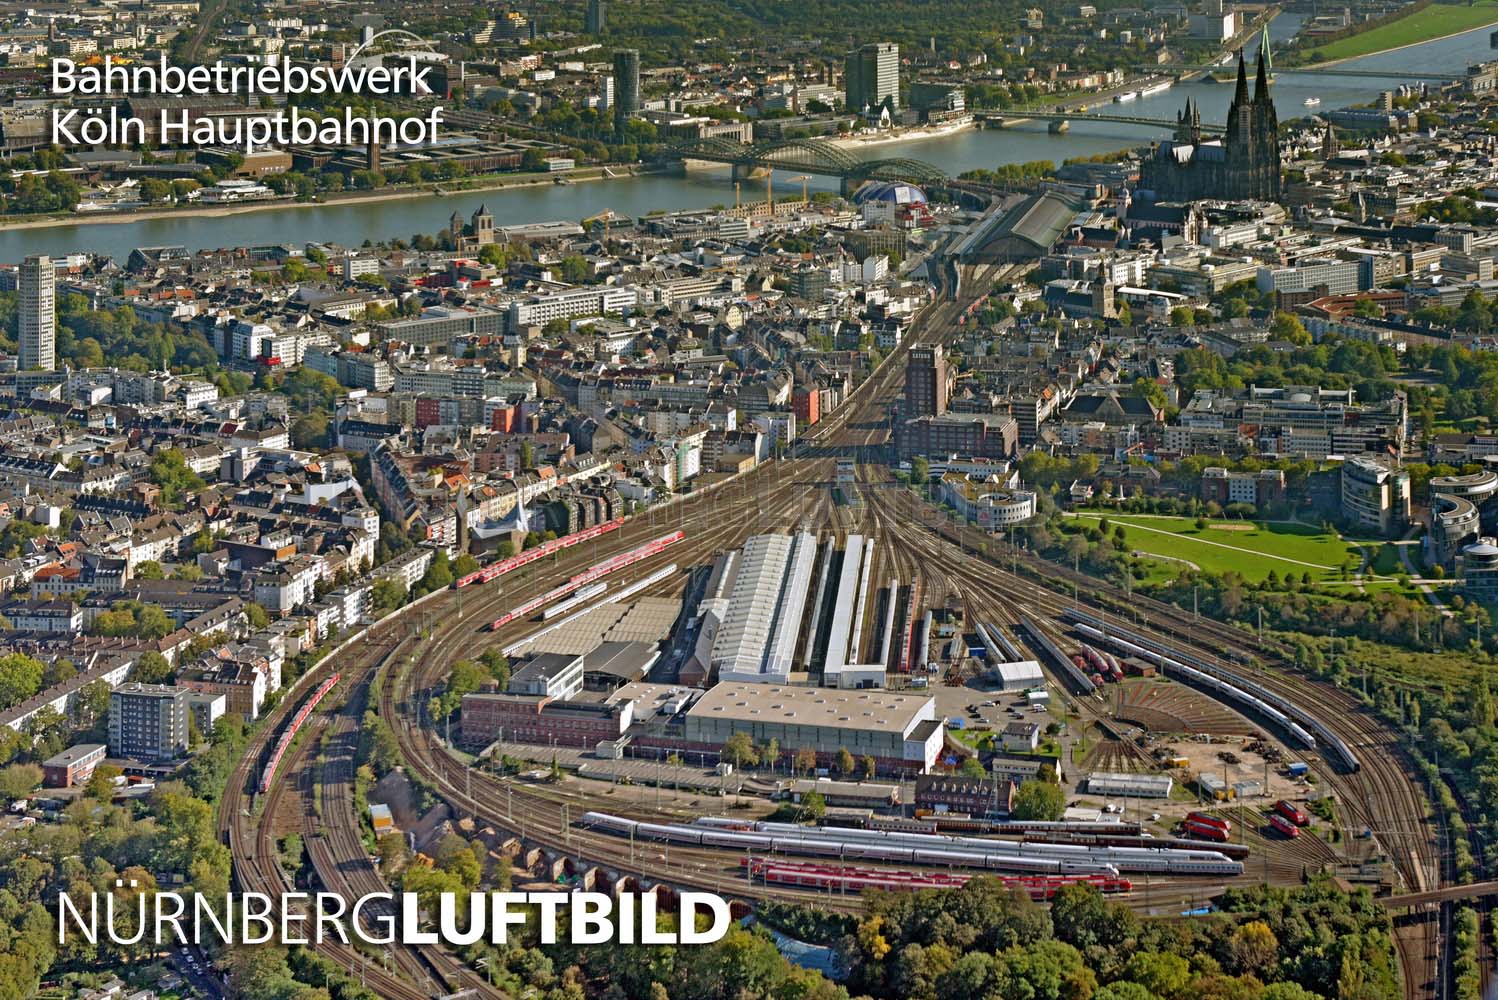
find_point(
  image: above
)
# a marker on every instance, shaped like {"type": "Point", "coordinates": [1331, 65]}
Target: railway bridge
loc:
{"type": "Point", "coordinates": [1474, 890]}
{"type": "Point", "coordinates": [1061, 120]}
{"type": "Point", "coordinates": [822, 157]}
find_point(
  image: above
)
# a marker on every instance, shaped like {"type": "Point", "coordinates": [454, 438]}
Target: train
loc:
{"type": "Point", "coordinates": [284, 743]}
{"type": "Point", "coordinates": [1305, 727]}
{"type": "Point", "coordinates": [814, 876]}
{"type": "Point", "coordinates": [1104, 665]}
{"type": "Point", "coordinates": [1294, 815]}
{"type": "Point", "coordinates": [811, 843]}
{"type": "Point", "coordinates": [1075, 675]}
{"type": "Point", "coordinates": [1284, 826]}
{"type": "Point", "coordinates": [1207, 819]}
{"type": "Point", "coordinates": [541, 551]}
{"type": "Point", "coordinates": [1212, 833]}
{"type": "Point", "coordinates": [1028, 855]}
{"type": "Point", "coordinates": [583, 595]}
{"type": "Point", "coordinates": [1229, 692]}
{"type": "Point", "coordinates": [586, 577]}
{"type": "Point", "coordinates": [1079, 833]}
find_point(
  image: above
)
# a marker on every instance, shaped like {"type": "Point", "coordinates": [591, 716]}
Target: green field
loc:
{"type": "Point", "coordinates": [1284, 547]}
{"type": "Point", "coordinates": [1435, 21]}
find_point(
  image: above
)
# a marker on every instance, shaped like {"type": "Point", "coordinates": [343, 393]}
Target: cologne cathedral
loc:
{"type": "Point", "coordinates": [1243, 165]}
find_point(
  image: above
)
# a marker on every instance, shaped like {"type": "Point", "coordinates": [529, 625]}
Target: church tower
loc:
{"type": "Point", "coordinates": [1265, 183]}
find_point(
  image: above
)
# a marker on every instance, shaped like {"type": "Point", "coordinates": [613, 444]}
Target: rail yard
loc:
{"type": "Point", "coordinates": [922, 561]}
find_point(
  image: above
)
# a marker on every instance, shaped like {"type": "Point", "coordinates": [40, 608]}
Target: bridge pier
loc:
{"type": "Point", "coordinates": [1059, 127]}
{"type": "Point", "coordinates": [748, 171]}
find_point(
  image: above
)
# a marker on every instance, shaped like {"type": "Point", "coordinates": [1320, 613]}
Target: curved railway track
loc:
{"type": "Point", "coordinates": [1382, 796]}
{"type": "Point", "coordinates": [768, 497]}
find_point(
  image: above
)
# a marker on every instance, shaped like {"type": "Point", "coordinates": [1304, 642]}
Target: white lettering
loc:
{"type": "Point", "coordinates": [89, 928]}
{"type": "Point", "coordinates": [590, 918]}
{"type": "Point", "coordinates": [259, 915]}
{"type": "Point", "coordinates": [722, 918]}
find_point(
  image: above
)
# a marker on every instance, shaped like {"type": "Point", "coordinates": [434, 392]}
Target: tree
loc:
{"type": "Point", "coordinates": [1254, 948]}
{"type": "Point", "coordinates": [845, 762]}
{"type": "Point", "coordinates": [739, 750]}
{"type": "Point", "coordinates": [805, 760]}
{"type": "Point", "coordinates": [464, 565]}
{"type": "Point", "coordinates": [388, 593]}
{"type": "Point", "coordinates": [256, 615]}
{"type": "Point", "coordinates": [19, 780]}
{"type": "Point", "coordinates": [153, 190]}
{"type": "Point", "coordinates": [151, 668]}
{"type": "Point", "coordinates": [1161, 973]}
{"type": "Point", "coordinates": [100, 784]}
{"type": "Point", "coordinates": [439, 574]}
{"type": "Point", "coordinates": [92, 702]}
{"type": "Point", "coordinates": [169, 471]}
{"type": "Point", "coordinates": [813, 805]}
{"type": "Point", "coordinates": [20, 678]}
{"type": "Point", "coordinates": [972, 767]}
{"type": "Point", "coordinates": [1039, 800]}
{"type": "Point", "coordinates": [149, 570]}
{"type": "Point", "coordinates": [1287, 326]}
{"type": "Point", "coordinates": [309, 432]}
{"type": "Point", "coordinates": [771, 753]}
{"type": "Point", "coordinates": [870, 768]}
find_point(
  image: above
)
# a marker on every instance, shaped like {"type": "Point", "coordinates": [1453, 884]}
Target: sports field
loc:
{"type": "Point", "coordinates": [1251, 548]}
{"type": "Point", "coordinates": [1436, 21]}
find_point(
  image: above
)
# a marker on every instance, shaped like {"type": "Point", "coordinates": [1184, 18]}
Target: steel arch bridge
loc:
{"type": "Point", "coordinates": [810, 156]}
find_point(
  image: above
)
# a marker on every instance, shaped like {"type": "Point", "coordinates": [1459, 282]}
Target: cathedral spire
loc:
{"type": "Point", "coordinates": [1240, 94]}
{"type": "Point", "coordinates": [1261, 81]}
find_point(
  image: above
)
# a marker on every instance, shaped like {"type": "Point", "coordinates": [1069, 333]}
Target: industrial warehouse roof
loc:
{"type": "Point", "coordinates": [1115, 783]}
{"type": "Point", "coordinates": [780, 704]}
{"type": "Point", "coordinates": [647, 620]}
{"type": "Point", "coordinates": [1022, 672]}
{"type": "Point", "coordinates": [765, 607]}
{"type": "Point", "coordinates": [626, 660]}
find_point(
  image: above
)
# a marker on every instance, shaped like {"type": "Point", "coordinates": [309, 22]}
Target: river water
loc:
{"type": "Point", "coordinates": [352, 223]}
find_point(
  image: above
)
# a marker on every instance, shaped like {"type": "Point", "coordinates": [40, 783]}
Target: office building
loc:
{"type": "Point", "coordinates": [873, 77]}
{"type": "Point", "coordinates": [549, 675]}
{"type": "Point", "coordinates": [1479, 570]}
{"type": "Point", "coordinates": [926, 382]}
{"type": "Point", "coordinates": [597, 15]}
{"type": "Point", "coordinates": [38, 319]}
{"type": "Point", "coordinates": [1375, 496]}
{"type": "Point", "coordinates": [148, 721]}
{"type": "Point", "coordinates": [73, 766]}
{"type": "Point", "coordinates": [626, 86]}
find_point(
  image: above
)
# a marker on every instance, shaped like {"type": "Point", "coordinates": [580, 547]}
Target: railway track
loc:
{"type": "Point", "coordinates": [1382, 796]}
{"type": "Point", "coordinates": [769, 498]}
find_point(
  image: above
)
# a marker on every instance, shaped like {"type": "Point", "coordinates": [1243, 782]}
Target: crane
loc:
{"type": "Point", "coordinates": [804, 178]}
{"type": "Point", "coordinates": [607, 216]}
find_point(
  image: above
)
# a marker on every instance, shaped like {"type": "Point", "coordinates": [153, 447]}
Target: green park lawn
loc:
{"type": "Point", "coordinates": [1284, 547]}
{"type": "Point", "coordinates": [1435, 21]}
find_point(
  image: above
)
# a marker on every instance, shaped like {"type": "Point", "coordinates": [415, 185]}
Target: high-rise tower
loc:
{"type": "Point", "coordinates": [626, 86]}
{"type": "Point", "coordinates": [873, 77]}
{"type": "Point", "coordinates": [38, 319]}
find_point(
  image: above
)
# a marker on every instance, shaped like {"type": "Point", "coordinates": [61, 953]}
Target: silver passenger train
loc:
{"type": "Point", "coordinates": [1305, 727]}
{"type": "Point", "coordinates": [928, 849]}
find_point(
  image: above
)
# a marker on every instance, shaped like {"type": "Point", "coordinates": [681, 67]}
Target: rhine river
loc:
{"type": "Point", "coordinates": [352, 223]}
